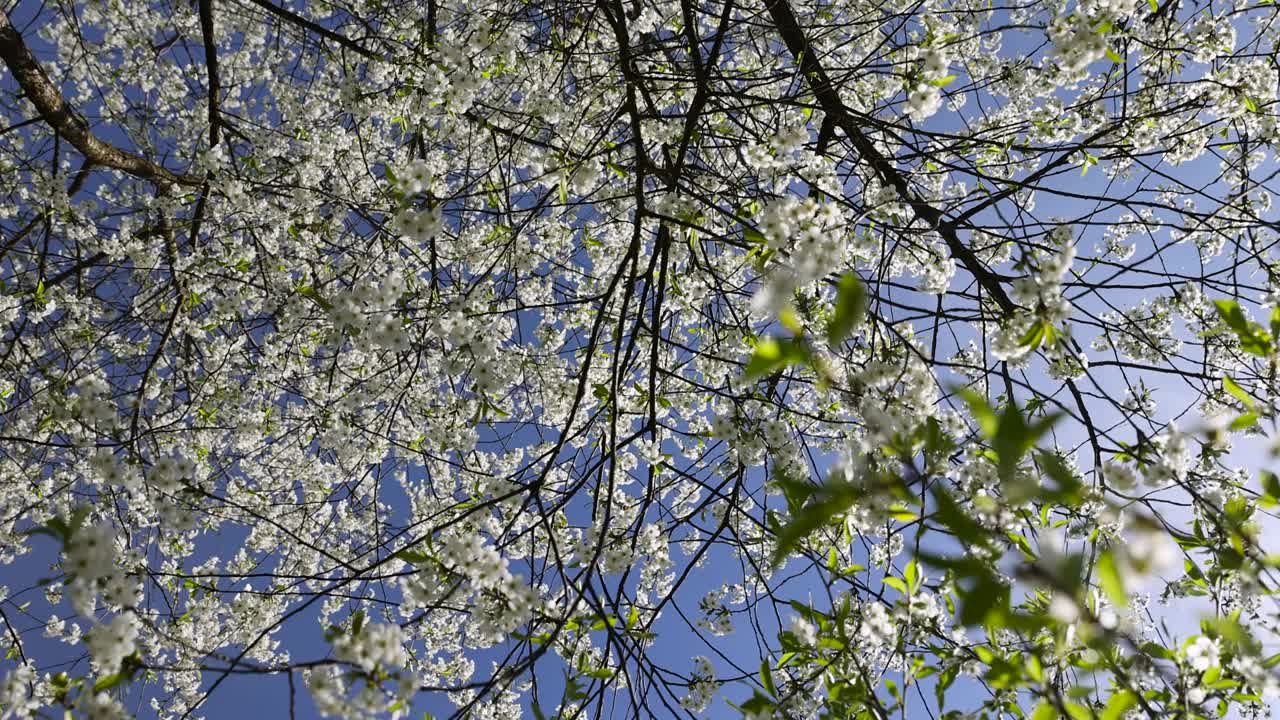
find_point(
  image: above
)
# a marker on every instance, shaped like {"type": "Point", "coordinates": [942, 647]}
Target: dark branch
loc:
{"type": "Point", "coordinates": [55, 111]}
{"type": "Point", "coordinates": [211, 65]}
{"type": "Point", "coordinates": [788, 27]}
{"type": "Point", "coordinates": [320, 30]}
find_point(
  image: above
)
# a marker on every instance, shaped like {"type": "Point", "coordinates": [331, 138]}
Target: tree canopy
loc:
{"type": "Point", "coordinates": [639, 358]}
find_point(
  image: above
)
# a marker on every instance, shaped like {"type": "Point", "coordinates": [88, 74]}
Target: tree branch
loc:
{"type": "Point", "coordinates": [211, 65]}
{"type": "Point", "coordinates": [788, 27]}
{"type": "Point", "coordinates": [320, 30]}
{"type": "Point", "coordinates": [55, 111]}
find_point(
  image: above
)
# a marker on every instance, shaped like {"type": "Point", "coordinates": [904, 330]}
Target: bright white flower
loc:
{"type": "Point", "coordinates": [1064, 608]}
{"type": "Point", "coordinates": [1151, 550]}
{"type": "Point", "coordinates": [103, 706]}
{"type": "Point", "coordinates": [377, 645]}
{"type": "Point", "coordinates": [1202, 654]}
{"type": "Point", "coordinates": [804, 631]}
{"type": "Point", "coordinates": [110, 643]}
{"type": "Point", "coordinates": [877, 627]}
{"type": "Point", "coordinates": [18, 701]}
{"type": "Point", "coordinates": [702, 686]}
{"type": "Point", "coordinates": [91, 552]}
{"type": "Point", "coordinates": [923, 102]}
{"type": "Point", "coordinates": [1119, 477]}
{"type": "Point", "coordinates": [935, 64]}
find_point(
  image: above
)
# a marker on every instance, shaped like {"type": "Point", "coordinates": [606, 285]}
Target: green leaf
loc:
{"type": "Point", "coordinates": [1003, 674]}
{"type": "Point", "coordinates": [1155, 6]}
{"type": "Point", "coordinates": [943, 81]}
{"type": "Point", "coordinates": [110, 681]}
{"type": "Point", "coordinates": [1271, 486]}
{"type": "Point", "coordinates": [1121, 702]}
{"type": "Point", "coordinates": [912, 575]}
{"type": "Point", "coordinates": [309, 292]}
{"type": "Point", "coordinates": [412, 557]}
{"type": "Point", "coordinates": [1246, 420]}
{"type": "Point", "coordinates": [957, 521]}
{"type": "Point", "coordinates": [1114, 57]}
{"type": "Point", "coordinates": [1157, 650]}
{"type": "Point", "coordinates": [1237, 392]}
{"type": "Point", "coordinates": [1035, 670]}
{"type": "Point", "coordinates": [1069, 488]}
{"type": "Point", "coordinates": [766, 678]}
{"type": "Point", "coordinates": [850, 308]}
{"type": "Point", "coordinates": [829, 502]}
{"type": "Point", "coordinates": [1076, 711]}
{"type": "Point", "coordinates": [44, 530]}
{"type": "Point", "coordinates": [771, 354]}
{"type": "Point", "coordinates": [1035, 335]}
{"type": "Point", "coordinates": [1253, 339]}
{"type": "Point", "coordinates": [1089, 161]}
{"type": "Point", "coordinates": [77, 519]}
{"type": "Point", "coordinates": [1110, 580]}
{"type": "Point", "coordinates": [790, 320]}
{"type": "Point", "coordinates": [896, 584]}
{"type": "Point", "coordinates": [982, 412]}
{"type": "Point", "coordinates": [1011, 437]}
{"type": "Point", "coordinates": [986, 603]}
{"type": "Point", "coordinates": [1044, 711]}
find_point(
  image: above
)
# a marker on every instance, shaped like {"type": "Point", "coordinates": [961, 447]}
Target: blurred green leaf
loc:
{"type": "Point", "coordinates": [1110, 580]}
{"type": "Point", "coordinates": [766, 678]}
{"type": "Point", "coordinates": [1120, 702]}
{"type": "Point", "coordinates": [771, 354]}
{"type": "Point", "coordinates": [850, 308]}
{"type": "Point", "coordinates": [1237, 392]}
{"type": "Point", "coordinates": [827, 503]}
{"type": "Point", "coordinates": [1253, 339]}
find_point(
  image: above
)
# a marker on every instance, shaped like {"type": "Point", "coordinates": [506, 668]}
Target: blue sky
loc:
{"type": "Point", "coordinates": [676, 644]}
